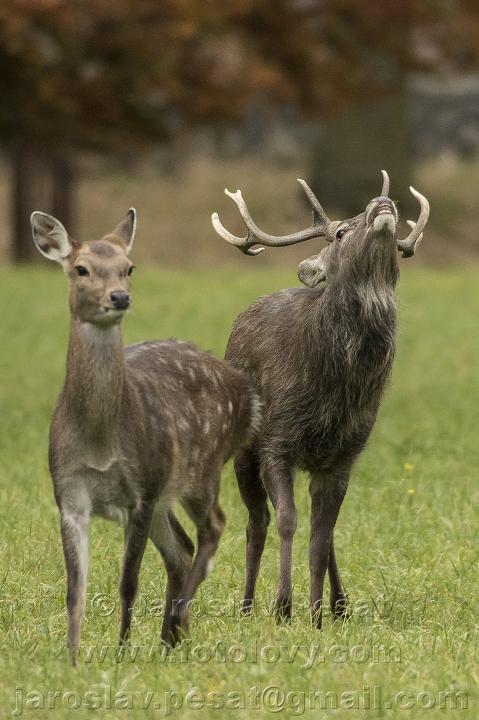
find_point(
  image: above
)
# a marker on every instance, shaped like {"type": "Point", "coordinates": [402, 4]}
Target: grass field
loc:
{"type": "Point", "coordinates": [407, 536]}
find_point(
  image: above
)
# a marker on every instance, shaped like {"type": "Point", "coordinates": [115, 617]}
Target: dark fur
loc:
{"type": "Point", "coordinates": [320, 359]}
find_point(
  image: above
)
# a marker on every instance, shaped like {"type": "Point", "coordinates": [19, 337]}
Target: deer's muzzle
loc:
{"type": "Point", "coordinates": [382, 216]}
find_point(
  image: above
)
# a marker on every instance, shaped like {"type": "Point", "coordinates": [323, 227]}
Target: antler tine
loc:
{"type": "Point", "coordinates": [409, 244]}
{"type": "Point", "coordinates": [319, 215]}
{"type": "Point", "coordinates": [243, 243]}
{"type": "Point", "coordinates": [412, 225]}
{"type": "Point", "coordinates": [385, 188]}
{"type": "Point", "coordinates": [255, 236]}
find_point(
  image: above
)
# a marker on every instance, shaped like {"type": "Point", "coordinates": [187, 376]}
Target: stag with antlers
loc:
{"type": "Point", "coordinates": [320, 358]}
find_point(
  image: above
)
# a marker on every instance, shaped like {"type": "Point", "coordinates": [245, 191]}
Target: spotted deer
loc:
{"type": "Point", "coordinates": [320, 358]}
{"type": "Point", "coordinates": [135, 429]}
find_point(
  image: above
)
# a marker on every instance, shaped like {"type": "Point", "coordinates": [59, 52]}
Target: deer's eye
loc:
{"type": "Point", "coordinates": [81, 270]}
{"type": "Point", "coordinates": [130, 269]}
{"type": "Point", "coordinates": [341, 232]}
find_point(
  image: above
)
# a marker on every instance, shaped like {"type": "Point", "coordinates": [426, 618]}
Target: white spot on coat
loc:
{"type": "Point", "coordinates": [183, 424]}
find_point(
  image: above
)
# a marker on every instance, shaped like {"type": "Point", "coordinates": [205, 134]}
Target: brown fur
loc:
{"type": "Point", "coordinates": [135, 429]}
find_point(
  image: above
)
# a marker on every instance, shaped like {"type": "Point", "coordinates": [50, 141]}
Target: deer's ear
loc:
{"type": "Point", "coordinates": [50, 237]}
{"type": "Point", "coordinates": [125, 230]}
{"type": "Point", "coordinates": [312, 271]}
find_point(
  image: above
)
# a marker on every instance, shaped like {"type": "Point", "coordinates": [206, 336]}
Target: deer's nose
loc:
{"type": "Point", "coordinates": [120, 299]}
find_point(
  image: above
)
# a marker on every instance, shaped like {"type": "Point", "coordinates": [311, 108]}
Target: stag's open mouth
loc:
{"type": "Point", "coordinates": [382, 216]}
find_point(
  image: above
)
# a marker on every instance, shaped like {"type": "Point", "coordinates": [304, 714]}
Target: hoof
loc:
{"type": "Point", "coordinates": [73, 653]}
{"type": "Point", "coordinates": [283, 609]}
{"type": "Point", "coordinates": [246, 607]}
{"type": "Point", "coordinates": [340, 609]}
{"type": "Point", "coordinates": [317, 615]}
{"type": "Point", "coordinates": [178, 629]}
{"type": "Point", "coordinates": [170, 637]}
{"type": "Point", "coordinates": [173, 635]}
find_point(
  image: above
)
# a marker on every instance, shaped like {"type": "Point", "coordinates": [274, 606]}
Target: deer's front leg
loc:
{"type": "Point", "coordinates": [327, 494]}
{"type": "Point", "coordinates": [136, 536]}
{"type": "Point", "coordinates": [74, 531]}
{"type": "Point", "coordinates": [338, 597]}
{"type": "Point", "coordinates": [278, 481]}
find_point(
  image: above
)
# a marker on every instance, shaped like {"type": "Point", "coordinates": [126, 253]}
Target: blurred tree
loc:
{"type": "Point", "coordinates": [115, 77]}
{"type": "Point", "coordinates": [375, 47]}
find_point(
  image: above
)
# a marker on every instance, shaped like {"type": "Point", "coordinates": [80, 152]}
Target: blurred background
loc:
{"type": "Point", "coordinates": [160, 104]}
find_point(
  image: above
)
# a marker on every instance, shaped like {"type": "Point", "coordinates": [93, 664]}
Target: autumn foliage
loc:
{"type": "Point", "coordinates": [114, 75]}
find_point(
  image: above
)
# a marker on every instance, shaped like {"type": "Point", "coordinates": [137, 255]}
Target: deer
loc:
{"type": "Point", "coordinates": [320, 358]}
{"type": "Point", "coordinates": [136, 429]}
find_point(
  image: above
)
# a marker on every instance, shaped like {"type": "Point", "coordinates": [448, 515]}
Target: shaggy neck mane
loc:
{"type": "Point", "coordinates": [357, 311]}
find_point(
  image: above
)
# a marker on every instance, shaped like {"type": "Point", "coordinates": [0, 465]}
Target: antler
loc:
{"type": "Point", "coordinates": [409, 244]}
{"type": "Point", "coordinates": [385, 188]}
{"type": "Point", "coordinates": [255, 236]}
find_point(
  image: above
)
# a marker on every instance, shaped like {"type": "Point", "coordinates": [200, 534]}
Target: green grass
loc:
{"type": "Point", "coordinates": [406, 537]}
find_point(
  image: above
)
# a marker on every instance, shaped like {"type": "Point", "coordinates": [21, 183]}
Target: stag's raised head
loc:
{"type": "Point", "coordinates": [98, 271]}
{"type": "Point", "coordinates": [365, 242]}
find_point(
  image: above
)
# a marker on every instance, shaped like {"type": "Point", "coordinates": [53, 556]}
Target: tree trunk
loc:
{"type": "Point", "coordinates": [63, 178]}
{"type": "Point", "coordinates": [39, 182]}
{"type": "Point", "coordinates": [24, 170]}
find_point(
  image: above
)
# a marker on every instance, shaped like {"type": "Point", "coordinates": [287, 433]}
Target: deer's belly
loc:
{"type": "Point", "coordinates": [322, 447]}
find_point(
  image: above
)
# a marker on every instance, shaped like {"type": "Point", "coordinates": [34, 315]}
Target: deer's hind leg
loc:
{"type": "Point", "coordinates": [278, 480]}
{"type": "Point", "coordinates": [210, 522]}
{"type": "Point", "coordinates": [176, 549]}
{"type": "Point", "coordinates": [255, 498]}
